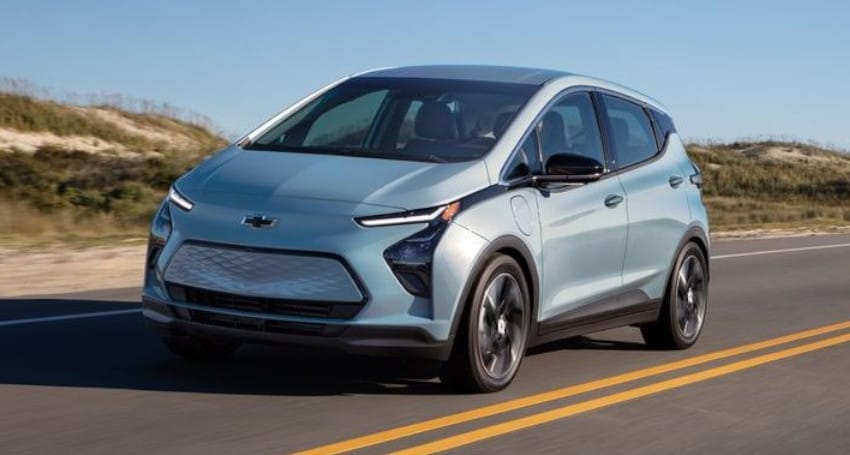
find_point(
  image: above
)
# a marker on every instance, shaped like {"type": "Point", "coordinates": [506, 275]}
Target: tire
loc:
{"type": "Point", "coordinates": [682, 315]}
{"type": "Point", "coordinates": [493, 333]}
{"type": "Point", "coordinates": [200, 349]}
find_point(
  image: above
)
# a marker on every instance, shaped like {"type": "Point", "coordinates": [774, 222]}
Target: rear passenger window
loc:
{"type": "Point", "coordinates": [631, 132]}
{"type": "Point", "coordinates": [570, 127]}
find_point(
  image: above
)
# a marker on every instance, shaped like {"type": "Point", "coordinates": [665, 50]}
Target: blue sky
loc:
{"type": "Point", "coordinates": [725, 69]}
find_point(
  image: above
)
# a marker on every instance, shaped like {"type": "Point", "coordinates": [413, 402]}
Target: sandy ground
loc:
{"type": "Point", "coordinates": [29, 142]}
{"type": "Point", "coordinates": [137, 128]}
{"type": "Point", "coordinates": [61, 270]}
{"type": "Point", "coordinates": [65, 270]}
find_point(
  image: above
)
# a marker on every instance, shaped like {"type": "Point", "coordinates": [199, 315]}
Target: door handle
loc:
{"type": "Point", "coordinates": [613, 200]}
{"type": "Point", "coordinates": [675, 181]}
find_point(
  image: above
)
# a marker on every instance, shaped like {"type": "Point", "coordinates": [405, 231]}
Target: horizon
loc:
{"type": "Point", "coordinates": [726, 73]}
{"type": "Point", "coordinates": [156, 107]}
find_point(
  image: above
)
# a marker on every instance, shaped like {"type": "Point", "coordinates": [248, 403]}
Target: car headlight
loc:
{"type": "Point", "coordinates": [179, 200]}
{"type": "Point", "coordinates": [411, 259]}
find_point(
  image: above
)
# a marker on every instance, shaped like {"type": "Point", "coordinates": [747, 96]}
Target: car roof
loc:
{"type": "Point", "coordinates": [484, 73]}
{"type": "Point", "coordinates": [504, 74]}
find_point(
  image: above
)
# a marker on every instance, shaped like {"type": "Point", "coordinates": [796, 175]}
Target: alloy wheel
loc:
{"type": "Point", "coordinates": [501, 327]}
{"type": "Point", "coordinates": [690, 297]}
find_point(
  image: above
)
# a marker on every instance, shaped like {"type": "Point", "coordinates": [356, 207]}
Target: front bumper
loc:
{"type": "Point", "coordinates": [345, 297]}
{"type": "Point", "coordinates": [170, 318]}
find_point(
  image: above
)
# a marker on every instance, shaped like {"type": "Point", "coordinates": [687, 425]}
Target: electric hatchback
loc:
{"type": "Point", "coordinates": [453, 213]}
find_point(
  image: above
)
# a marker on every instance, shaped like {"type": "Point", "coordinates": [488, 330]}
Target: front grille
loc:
{"type": "Point", "coordinates": [263, 274]}
{"type": "Point", "coordinates": [261, 306]}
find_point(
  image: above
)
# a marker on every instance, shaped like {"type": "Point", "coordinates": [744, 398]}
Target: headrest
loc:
{"type": "Point", "coordinates": [435, 121]}
{"type": "Point", "coordinates": [553, 136]}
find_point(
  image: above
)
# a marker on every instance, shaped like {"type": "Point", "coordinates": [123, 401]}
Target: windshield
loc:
{"type": "Point", "coordinates": [415, 119]}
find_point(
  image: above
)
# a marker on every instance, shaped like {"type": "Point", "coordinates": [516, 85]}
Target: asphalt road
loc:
{"type": "Point", "coordinates": [103, 383]}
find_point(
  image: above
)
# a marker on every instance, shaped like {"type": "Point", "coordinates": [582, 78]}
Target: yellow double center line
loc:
{"type": "Point", "coordinates": [559, 413]}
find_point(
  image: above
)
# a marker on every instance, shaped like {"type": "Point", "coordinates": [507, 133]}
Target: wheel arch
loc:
{"type": "Point", "coordinates": [515, 248]}
{"type": "Point", "coordinates": [660, 333]}
{"type": "Point", "coordinates": [697, 235]}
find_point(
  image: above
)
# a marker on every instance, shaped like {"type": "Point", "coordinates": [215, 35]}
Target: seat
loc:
{"type": "Point", "coordinates": [434, 128]}
{"type": "Point", "coordinates": [553, 135]}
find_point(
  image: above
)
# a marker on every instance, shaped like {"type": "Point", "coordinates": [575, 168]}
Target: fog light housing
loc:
{"type": "Point", "coordinates": [411, 259]}
{"type": "Point", "coordinates": [160, 232]}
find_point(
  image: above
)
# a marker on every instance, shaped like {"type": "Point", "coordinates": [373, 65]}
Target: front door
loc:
{"type": "Point", "coordinates": [584, 228]}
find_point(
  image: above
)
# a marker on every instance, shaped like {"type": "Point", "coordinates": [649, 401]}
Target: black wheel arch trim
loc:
{"type": "Point", "coordinates": [506, 242]}
{"type": "Point", "coordinates": [694, 232]}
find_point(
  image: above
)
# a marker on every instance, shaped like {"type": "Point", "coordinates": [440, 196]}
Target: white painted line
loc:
{"type": "Point", "coordinates": [66, 317]}
{"type": "Point", "coordinates": [784, 250]}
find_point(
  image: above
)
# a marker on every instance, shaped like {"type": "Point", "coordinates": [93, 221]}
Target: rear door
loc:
{"type": "Point", "coordinates": [583, 227]}
{"type": "Point", "coordinates": [655, 195]}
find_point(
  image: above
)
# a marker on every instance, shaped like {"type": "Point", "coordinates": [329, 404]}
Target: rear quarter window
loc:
{"type": "Point", "coordinates": [664, 127]}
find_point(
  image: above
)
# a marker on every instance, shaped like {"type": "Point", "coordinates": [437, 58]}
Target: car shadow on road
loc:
{"type": "Point", "coordinates": [587, 343]}
{"type": "Point", "coordinates": [119, 352]}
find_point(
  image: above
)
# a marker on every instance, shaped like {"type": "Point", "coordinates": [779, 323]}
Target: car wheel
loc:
{"type": "Point", "coordinates": [685, 303]}
{"type": "Point", "coordinates": [196, 348]}
{"type": "Point", "coordinates": [491, 340]}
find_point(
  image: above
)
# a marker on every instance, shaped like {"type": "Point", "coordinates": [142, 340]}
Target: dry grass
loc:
{"type": "Point", "coordinates": [66, 192]}
{"type": "Point", "coordinates": [742, 213]}
{"type": "Point", "coordinates": [139, 133]}
{"type": "Point", "coordinates": [23, 226]}
{"type": "Point", "coordinates": [774, 184]}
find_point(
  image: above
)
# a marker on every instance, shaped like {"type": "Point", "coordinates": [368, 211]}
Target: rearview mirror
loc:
{"type": "Point", "coordinates": [570, 168]}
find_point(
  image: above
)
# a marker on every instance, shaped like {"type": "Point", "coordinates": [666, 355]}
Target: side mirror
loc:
{"type": "Point", "coordinates": [570, 168]}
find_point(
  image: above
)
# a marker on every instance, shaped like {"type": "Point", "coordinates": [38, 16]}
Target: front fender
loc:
{"type": "Point", "coordinates": [508, 244]}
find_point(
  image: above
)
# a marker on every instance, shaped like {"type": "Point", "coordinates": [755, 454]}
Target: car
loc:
{"type": "Point", "coordinates": [451, 213]}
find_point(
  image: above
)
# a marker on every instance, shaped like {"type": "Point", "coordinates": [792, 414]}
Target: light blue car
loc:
{"type": "Point", "coordinates": [453, 213]}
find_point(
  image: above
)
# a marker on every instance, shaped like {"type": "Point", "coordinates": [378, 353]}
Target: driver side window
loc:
{"type": "Point", "coordinates": [570, 127]}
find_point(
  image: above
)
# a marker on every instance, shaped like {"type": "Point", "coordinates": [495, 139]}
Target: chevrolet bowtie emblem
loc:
{"type": "Point", "coordinates": [259, 221]}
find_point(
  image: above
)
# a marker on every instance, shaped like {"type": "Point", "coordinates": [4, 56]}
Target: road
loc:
{"type": "Point", "coordinates": [103, 384]}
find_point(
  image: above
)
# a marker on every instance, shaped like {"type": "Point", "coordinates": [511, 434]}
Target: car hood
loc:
{"type": "Point", "coordinates": [394, 184]}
